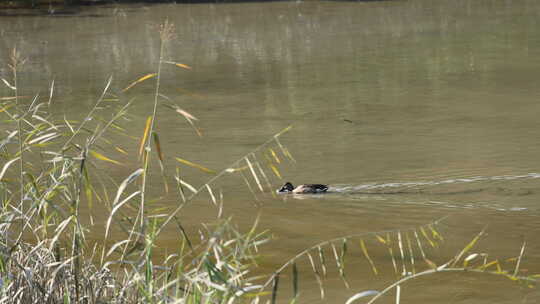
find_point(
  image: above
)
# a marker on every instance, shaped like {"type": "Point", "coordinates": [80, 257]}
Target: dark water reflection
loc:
{"type": "Point", "coordinates": [408, 93]}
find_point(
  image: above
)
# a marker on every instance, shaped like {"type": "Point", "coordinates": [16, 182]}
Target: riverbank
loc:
{"type": "Point", "coordinates": [40, 4]}
{"type": "Point", "coordinates": [48, 4]}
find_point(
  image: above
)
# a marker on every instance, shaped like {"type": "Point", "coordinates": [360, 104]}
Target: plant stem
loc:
{"type": "Point", "coordinates": [19, 129]}
{"type": "Point", "coordinates": [148, 147]}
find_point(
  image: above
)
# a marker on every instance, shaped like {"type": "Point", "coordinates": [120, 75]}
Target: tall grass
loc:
{"type": "Point", "coordinates": [46, 255]}
{"type": "Point", "coordinates": [49, 258]}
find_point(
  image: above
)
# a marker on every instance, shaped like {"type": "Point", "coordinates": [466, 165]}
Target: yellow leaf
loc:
{"type": "Point", "coordinates": [288, 154]}
{"type": "Point", "coordinates": [121, 150]}
{"type": "Point", "coordinates": [488, 265]}
{"type": "Point", "coordinates": [145, 77]}
{"type": "Point", "coordinates": [275, 170]}
{"type": "Point", "coordinates": [145, 134]}
{"type": "Point", "coordinates": [275, 155]}
{"type": "Point", "coordinates": [427, 238]}
{"type": "Point", "coordinates": [435, 234]}
{"type": "Point", "coordinates": [180, 65]}
{"type": "Point", "coordinates": [117, 127]}
{"type": "Point", "coordinates": [283, 131]}
{"type": "Point", "coordinates": [103, 157]}
{"type": "Point", "coordinates": [381, 239]}
{"type": "Point", "coordinates": [187, 162]}
{"type": "Point", "coordinates": [185, 66]}
{"type": "Point", "coordinates": [257, 294]}
{"type": "Point", "coordinates": [364, 250]}
{"type": "Point", "coordinates": [499, 269]}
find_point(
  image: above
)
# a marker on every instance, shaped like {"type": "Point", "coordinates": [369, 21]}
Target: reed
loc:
{"type": "Point", "coordinates": [470, 264]}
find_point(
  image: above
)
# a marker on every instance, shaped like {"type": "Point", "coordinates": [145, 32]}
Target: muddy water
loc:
{"type": "Point", "coordinates": [409, 110]}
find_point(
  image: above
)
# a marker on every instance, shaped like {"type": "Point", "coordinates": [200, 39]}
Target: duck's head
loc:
{"type": "Point", "coordinates": [288, 187]}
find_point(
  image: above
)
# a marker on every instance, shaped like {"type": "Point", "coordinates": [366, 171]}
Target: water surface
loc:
{"type": "Point", "coordinates": [409, 110]}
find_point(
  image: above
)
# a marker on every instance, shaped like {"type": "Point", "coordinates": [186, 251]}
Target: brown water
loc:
{"type": "Point", "coordinates": [409, 110]}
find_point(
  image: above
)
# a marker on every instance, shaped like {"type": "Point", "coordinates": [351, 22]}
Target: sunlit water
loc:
{"type": "Point", "coordinates": [409, 110]}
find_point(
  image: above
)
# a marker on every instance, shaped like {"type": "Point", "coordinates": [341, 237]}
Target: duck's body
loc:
{"type": "Point", "coordinates": [306, 188]}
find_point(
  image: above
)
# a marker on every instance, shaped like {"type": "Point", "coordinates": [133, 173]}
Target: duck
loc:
{"type": "Point", "coordinates": [302, 189]}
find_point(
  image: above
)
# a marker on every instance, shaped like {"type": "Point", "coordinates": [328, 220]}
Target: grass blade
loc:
{"type": "Point", "coordinates": [469, 258]}
{"type": "Point", "coordinates": [274, 155]}
{"type": "Point", "coordinates": [113, 247]}
{"type": "Point", "coordinates": [275, 286]}
{"type": "Point", "coordinates": [266, 180]}
{"type": "Point", "coordinates": [519, 259]}
{"type": "Point", "coordinates": [6, 166]}
{"type": "Point", "coordinates": [468, 247]}
{"type": "Point", "coordinates": [400, 243]}
{"type": "Point", "coordinates": [364, 250]}
{"type": "Point", "coordinates": [427, 237]}
{"type": "Point", "coordinates": [391, 251]}
{"type": "Point", "coordinates": [323, 261]}
{"type": "Point", "coordinates": [9, 85]}
{"type": "Point", "coordinates": [211, 195]}
{"type": "Point", "coordinates": [411, 253]}
{"type": "Point", "coordinates": [275, 170]}
{"type": "Point", "coordinates": [317, 274]}
{"type": "Point", "coordinates": [295, 280]}
{"type": "Point", "coordinates": [188, 116]}
{"type": "Point", "coordinates": [145, 135]}
{"type": "Point", "coordinates": [284, 150]}
{"type": "Point", "coordinates": [116, 208]}
{"type": "Point", "coordinates": [254, 174]}
{"type": "Point", "coordinates": [158, 148]}
{"type": "Point", "coordinates": [143, 78]}
{"type": "Point", "coordinates": [435, 234]}
{"type": "Point", "coordinates": [51, 92]}
{"type": "Point", "coordinates": [249, 185]}
{"type": "Point", "coordinates": [190, 187]}
{"type": "Point", "coordinates": [105, 158]}
{"type": "Point", "coordinates": [340, 265]}
{"type": "Point", "coordinates": [194, 165]}
{"type": "Point", "coordinates": [419, 245]}
{"type": "Point", "coordinates": [180, 65]}
{"type": "Point", "coordinates": [367, 293]}
{"type": "Point", "coordinates": [125, 183]}
{"type": "Point", "coordinates": [121, 150]}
